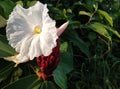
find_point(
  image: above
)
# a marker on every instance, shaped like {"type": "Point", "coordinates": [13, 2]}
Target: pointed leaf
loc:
{"type": "Point", "coordinates": [85, 13]}
{"type": "Point", "coordinates": [48, 85]}
{"type": "Point", "coordinates": [88, 7]}
{"type": "Point", "coordinates": [69, 10]}
{"type": "Point", "coordinates": [113, 31]}
{"type": "Point", "coordinates": [23, 83]}
{"type": "Point", "coordinates": [66, 57]}
{"type": "Point", "coordinates": [31, 3]}
{"type": "Point", "coordinates": [108, 28]}
{"type": "Point", "coordinates": [4, 73]}
{"type": "Point", "coordinates": [60, 77]}
{"type": "Point", "coordinates": [97, 27]}
{"type": "Point", "coordinates": [107, 16]}
{"type": "Point", "coordinates": [66, 61]}
{"type": "Point", "coordinates": [7, 6]}
{"type": "Point", "coordinates": [2, 21]}
{"type": "Point", "coordinates": [77, 41]}
{"type": "Point", "coordinates": [5, 49]}
{"type": "Point", "coordinates": [35, 85]}
{"type": "Point", "coordinates": [95, 6]}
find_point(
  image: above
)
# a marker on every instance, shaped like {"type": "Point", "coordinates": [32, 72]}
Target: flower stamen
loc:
{"type": "Point", "coordinates": [37, 30]}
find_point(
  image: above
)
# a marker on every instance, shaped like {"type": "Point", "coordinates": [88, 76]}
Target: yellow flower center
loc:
{"type": "Point", "coordinates": [37, 30]}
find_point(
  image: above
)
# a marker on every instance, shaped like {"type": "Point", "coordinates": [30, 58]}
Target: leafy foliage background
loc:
{"type": "Point", "coordinates": [90, 50]}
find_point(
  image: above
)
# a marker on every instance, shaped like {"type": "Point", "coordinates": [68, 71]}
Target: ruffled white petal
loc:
{"type": "Point", "coordinates": [35, 49]}
{"type": "Point", "coordinates": [47, 43]}
{"type": "Point", "coordinates": [49, 31]}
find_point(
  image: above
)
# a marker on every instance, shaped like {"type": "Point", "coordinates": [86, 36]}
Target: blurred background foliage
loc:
{"type": "Point", "coordinates": [90, 47]}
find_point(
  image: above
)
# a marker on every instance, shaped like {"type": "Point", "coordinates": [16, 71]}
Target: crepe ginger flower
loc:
{"type": "Point", "coordinates": [31, 32]}
{"type": "Point", "coordinates": [48, 64]}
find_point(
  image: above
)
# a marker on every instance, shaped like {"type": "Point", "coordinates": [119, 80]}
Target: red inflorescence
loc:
{"type": "Point", "coordinates": [49, 63]}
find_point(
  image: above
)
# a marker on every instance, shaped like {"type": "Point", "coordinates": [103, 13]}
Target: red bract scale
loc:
{"type": "Point", "coordinates": [49, 63]}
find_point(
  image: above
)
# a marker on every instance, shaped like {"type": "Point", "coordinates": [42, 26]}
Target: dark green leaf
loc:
{"type": "Point", "coordinates": [5, 49]}
{"type": "Point", "coordinates": [48, 85]}
{"type": "Point", "coordinates": [2, 21]}
{"type": "Point", "coordinates": [23, 83]}
{"type": "Point", "coordinates": [75, 23]}
{"type": "Point", "coordinates": [66, 57]}
{"type": "Point", "coordinates": [77, 41]}
{"type": "Point", "coordinates": [31, 3]}
{"type": "Point", "coordinates": [66, 62]}
{"type": "Point", "coordinates": [80, 85]}
{"type": "Point", "coordinates": [4, 73]}
{"type": "Point", "coordinates": [60, 77]}
{"type": "Point", "coordinates": [58, 14]}
{"type": "Point", "coordinates": [88, 7]}
{"type": "Point", "coordinates": [92, 36]}
{"type": "Point", "coordinates": [7, 6]}
{"type": "Point", "coordinates": [107, 16]}
{"type": "Point", "coordinates": [35, 85]}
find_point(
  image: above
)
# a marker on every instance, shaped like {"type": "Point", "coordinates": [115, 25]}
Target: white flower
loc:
{"type": "Point", "coordinates": [18, 58]}
{"type": "Point", "coordinates": [31, 32]}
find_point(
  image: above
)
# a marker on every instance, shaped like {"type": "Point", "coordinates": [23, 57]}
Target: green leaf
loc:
{"type": "Point", "coordinates": [107, 16]}
{"type": "Point", "coordinates": [60, 77]}
{"type": "Point", "coordinates": [66, 57]}
{"type": "Point", "coordinates": [58, 14]}
{"type": "Point", "coordinates": [64, 47]}
{"type": "Point", "coordinates": [95, 6]}
{"type": "Point", "coordinates": [88, 7]}
{"type": "Point", "coordinates": [35, 85]}
{"type": "Point", "coordinates": [23, 83]}
{"type": "Point", "coordinates": [2, 21]}
{"type": "Point", "coordinates": [66, 62]}
{"type": "Point", "coordinates": [4, 73]}
{"type": "Point", "coordinates": [108, 28]}
{"type": "Point", "coordinates": [113, 31]}
{"type": "Point", "coordinates": [69, 10]}
{"type": "Point", "coordinates": [20, 2]}
{"type": "Point", "coordinates": [99, 28]}
{"type": "Point", "coordinates": [92, 36]}
{"type": "Point", "coordinates": [85, 13]}
{"type": "Point", "coordinates": [31, 3]}
{"type": "Point", "coordinates": [74, 23]}
{"type": "Point", "coordinates": [77, 41]}
{"type": "Point", "coordinates": [5, 49]}
{"type": "Point", "coordinates": [7, 6]}
{"type": "Point", "coordinates": [80, 85]}
{"type": "Point", "coordinates": [48, 85]}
